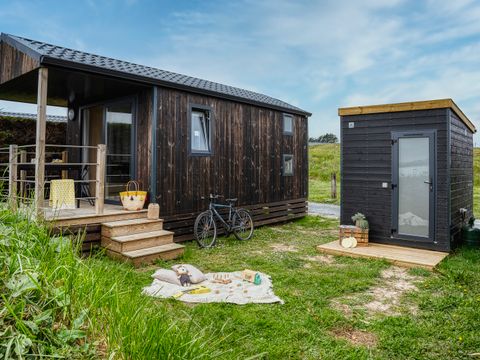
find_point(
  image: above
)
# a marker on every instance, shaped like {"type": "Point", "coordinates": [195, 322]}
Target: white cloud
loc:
{"type": "Point", "coordinates": [318, 55]}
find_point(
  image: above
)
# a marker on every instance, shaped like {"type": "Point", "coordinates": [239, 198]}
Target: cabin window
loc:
{"type": "Point", "coordinates": [287, 124]}
{"type": "Point", "coordinates": [287, 165]}
{"type": "Point", "coordinates": [200, 133]}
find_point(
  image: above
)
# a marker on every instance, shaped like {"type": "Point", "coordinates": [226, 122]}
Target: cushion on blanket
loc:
{"type": "Point", "coordinates": [196, 276]}
{"type": "Point", "coordinates": [166, 275]}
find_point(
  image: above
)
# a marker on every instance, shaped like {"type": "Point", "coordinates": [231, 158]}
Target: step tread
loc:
{"type": "Point", "coordinates": [140, 236]}
{"type": "Point", "coordinates": [129, 222]}
{"type": "Point", "coordinates": [152, 250]}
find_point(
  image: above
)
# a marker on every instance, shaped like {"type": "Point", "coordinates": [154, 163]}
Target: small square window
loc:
{"type": "Point", "coordinates": [288, 165]}
{"type": "Point", "coordinates": [287, 124]}
{"type": "Point", "coordinates": [200, 131]}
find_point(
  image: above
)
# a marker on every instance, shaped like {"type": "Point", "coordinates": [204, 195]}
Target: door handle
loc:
{"type": "Point", "coordinates": [430, 183]}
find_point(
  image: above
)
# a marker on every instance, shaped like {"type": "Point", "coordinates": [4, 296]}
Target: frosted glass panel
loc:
{"type": "Point", "coordinates": [413, 187]}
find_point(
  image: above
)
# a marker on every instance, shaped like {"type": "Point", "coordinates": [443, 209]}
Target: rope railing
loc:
{"type": "Point", "coordinates": [20, 180]}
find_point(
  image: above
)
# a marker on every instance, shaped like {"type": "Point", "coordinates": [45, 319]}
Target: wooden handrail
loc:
{"type": "Point", "coordinates": [100, 184]}
{"type": "Point", "coordinates": [12, 177]}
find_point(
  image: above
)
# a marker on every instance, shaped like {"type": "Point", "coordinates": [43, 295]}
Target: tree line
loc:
{"type": "Point", "coordinates": [324, 139]}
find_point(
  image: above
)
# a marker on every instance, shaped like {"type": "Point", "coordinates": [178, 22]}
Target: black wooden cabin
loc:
{"type": "Point", "coordinates": [180, 137]}
{"type": "Point", "coordinates": [409, 168]}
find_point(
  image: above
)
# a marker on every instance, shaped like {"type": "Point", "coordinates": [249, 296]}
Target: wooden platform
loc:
{"type": "Point", "coordinates": [398, 255]}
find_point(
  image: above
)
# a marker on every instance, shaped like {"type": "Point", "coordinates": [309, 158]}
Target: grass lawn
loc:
{"type": "Point", "coordinates": [93, 307]}
{"type": "Point", "coordinates": [476, 182]}
{"type": "Point", "coordinates": [323, 160]}
{"type": "Point", "coordinates": [444, 321]}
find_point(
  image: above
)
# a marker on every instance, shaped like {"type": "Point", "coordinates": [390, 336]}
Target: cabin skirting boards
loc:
{"type": "Point", "coordinates": [182, 224]}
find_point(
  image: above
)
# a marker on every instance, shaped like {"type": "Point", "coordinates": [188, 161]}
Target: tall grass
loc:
{"type": "Point", "coordinates": [324, 159]}
{"type": "Point", "coordinates": [55, 304]}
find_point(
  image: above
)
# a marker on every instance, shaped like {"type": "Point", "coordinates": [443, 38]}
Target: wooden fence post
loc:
{"type": "Point", "coordinates": [23, 175]}
{"type": "Point", "coordinates": [334, 186]}
{"type": "Point", "coordinates": [40, 141]}
{"type": "Point", "coordinates": [12, 176]}
{"type": "Point", "coordinates": [100, 183]}
{"type": "Point", "coordinates": [65, 160]}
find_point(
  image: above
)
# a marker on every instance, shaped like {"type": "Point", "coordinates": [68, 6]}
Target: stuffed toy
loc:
{"type": "Point", "coordinates": [183, 276]}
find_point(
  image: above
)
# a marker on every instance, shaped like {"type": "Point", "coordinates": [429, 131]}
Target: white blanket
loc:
{"type": "Point", "coordinates": [237, 292]}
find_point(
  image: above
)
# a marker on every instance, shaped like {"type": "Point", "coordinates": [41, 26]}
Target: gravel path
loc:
{"type": "Point", "coordinates": [327, 210]}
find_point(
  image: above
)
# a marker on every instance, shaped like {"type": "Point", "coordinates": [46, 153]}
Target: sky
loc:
{"type": "Point", "coordinates": [317, 55]}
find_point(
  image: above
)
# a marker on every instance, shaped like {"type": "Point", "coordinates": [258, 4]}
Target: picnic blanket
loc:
{"type": "Point", "coordinates": [238, 292]}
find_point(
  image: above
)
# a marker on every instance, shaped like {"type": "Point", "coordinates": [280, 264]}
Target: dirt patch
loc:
{"type": "Point", "coordinates": [283, 248]}
{"type": "Point", "coordinates": [324, 259]}
{"type": "Point", "coordinates": [356, 337]}
{"type": "Point", "coordinates": [385, 298]}
{"type": "Point", "coordinates": [343, 308]}
{"type": "Point", "coordinates": [278, 229]}
{"type": "Point", "coordinates": [258, 252]}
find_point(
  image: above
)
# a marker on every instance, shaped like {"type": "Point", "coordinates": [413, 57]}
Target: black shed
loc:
{"type": "Point", "coordinates": [409, 168]}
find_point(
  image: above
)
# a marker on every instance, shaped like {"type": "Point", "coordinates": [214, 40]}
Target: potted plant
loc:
{"type": "Point", "coordinates": [360, 221]}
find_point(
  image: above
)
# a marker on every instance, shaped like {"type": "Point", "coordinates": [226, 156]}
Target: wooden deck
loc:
{"type": "Point", "coordinates": [398, 255]}
{"type": "Point", "coordinates": [85, 215]}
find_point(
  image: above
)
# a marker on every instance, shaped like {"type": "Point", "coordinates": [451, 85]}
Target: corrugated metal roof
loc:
{"type": "Point", "coordinates": [47, 52]}
{"type": "Point", "coordinates": [52, 118]}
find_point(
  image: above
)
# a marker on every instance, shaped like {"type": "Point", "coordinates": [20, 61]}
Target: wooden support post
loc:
{"type": "Point", "coordinates": [65, 160]}
{"type": "Point", "coordinates": [100, 183]}
{"type": "Point", "coordinates": [12, 177]}
{"type": "Point", "coordinates": [40, 141]}
{"type": "Point", "coordinates": [334, 186]}
{"type": "Point", "coordinates": [23, 175]}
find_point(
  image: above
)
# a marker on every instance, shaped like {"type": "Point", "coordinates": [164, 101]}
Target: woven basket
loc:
{"type": "Point", "coordinates": [361, 235]}
{"type": "Point", "coordinates": [133, 200]}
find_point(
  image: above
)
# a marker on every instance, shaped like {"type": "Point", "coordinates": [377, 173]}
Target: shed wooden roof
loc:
{"type": "Point", "coordinates": [409, 106]}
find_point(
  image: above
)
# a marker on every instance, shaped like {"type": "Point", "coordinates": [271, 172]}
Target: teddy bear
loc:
{"type": "Point", "coordinates": [183, 276]}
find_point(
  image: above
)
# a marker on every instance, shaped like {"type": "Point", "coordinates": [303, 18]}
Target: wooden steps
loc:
{"type": "Point", "coordinates": [88, 219]}
{"type": "Point", "coordinates": [126, 227]}
{"type": "Point", "coordinates": [139, 241]}
{"type": "Point", "coordinates": [149, 255]}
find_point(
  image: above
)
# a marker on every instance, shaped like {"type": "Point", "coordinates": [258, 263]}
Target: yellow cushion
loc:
{"type": "Point", "coordinates": [62, 194]}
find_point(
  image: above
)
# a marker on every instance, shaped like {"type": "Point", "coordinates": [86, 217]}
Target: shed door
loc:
{"type": "Point", "coordinates": [413, 185]}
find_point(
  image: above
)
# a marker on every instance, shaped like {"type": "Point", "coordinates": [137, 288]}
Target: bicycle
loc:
{"type": "Point", "coordinates": [239, 222]}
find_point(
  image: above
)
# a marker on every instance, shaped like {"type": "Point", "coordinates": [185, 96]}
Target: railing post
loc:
{"type": "Point", "coordinates": [40, 141]}
{"type": "Point", "coordinates": [65, 160]}
{"type": "Point", "coordinates": [23, 175]}
{"type": "Point", "coordinates": [12, 176]}
{"type": "Point", "coordinates": [100, 183]}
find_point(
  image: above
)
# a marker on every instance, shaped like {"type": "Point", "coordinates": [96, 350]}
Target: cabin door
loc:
{"type": "Point", "coordinates": [413, 185]}
{"type": "Point", "coordinates": [113, 125]}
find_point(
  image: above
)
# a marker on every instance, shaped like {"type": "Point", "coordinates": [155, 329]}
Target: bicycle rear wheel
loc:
{"type": "Point", "coordinates": [205, 230]}
{"type": "Point", "coordinates": [242, 224]}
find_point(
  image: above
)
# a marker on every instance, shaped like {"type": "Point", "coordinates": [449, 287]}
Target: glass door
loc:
{"type": "Point", "coordinates": [413, 185]}
{"type": "Point", "coordinates": [119, 141]}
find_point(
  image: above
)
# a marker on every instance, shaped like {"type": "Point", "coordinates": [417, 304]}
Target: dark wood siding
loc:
{"type": "Point", "coordinates": [144, 137]}
{"type": "Point", "coordinates": [248, 146]}
{"type": "Point", "coordinates": [14, 63]}
{"type": "Point", "coordinates": [461, 173]}
{"type": "Point", "coordinates": [366, 164]}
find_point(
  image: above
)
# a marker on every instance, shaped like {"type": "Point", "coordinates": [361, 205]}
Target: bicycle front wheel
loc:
{"type": "Point", "coordinates": [242, 225]}
{"type": "Point", "coordinates": [205, 229]}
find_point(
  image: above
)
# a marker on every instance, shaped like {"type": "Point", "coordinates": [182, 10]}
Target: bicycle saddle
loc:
{"type": "Point", "coordinates": [231, 200]}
